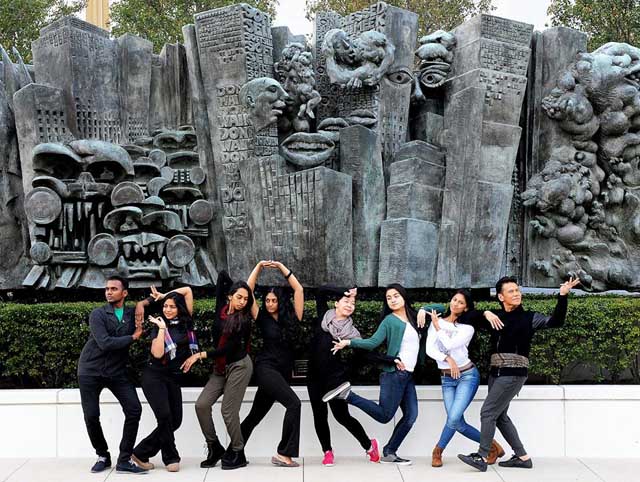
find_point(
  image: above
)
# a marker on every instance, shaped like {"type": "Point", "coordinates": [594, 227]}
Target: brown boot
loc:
{"type": "Point", "coordinates": [495, 452]}
{"type": "Point", "coordinates": [436, 457]}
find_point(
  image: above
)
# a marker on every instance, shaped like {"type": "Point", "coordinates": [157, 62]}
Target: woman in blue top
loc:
{"type": "Point", "coordinates": [397, 388]}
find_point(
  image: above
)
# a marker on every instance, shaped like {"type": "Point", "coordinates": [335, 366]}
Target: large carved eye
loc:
{"type": "Point", "coordinates": [400, 77]}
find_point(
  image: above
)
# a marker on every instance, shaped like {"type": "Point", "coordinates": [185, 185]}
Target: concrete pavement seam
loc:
{"type": "Point", "coordinates": [591, 470]}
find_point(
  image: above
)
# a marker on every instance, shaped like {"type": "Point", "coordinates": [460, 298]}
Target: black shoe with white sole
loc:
{"type": "Point", "coordinates": [341, 392]}
{"type": "Point", "coordinates": [475, 460]}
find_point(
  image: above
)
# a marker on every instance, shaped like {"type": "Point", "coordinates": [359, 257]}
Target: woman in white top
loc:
{"type": "Point", "coordinates": [448, 340]}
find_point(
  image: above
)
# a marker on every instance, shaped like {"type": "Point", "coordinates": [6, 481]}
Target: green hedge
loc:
{"type": "Point", "coordinates": [40, 344]}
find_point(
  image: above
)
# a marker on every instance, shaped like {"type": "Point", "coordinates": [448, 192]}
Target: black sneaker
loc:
{"type": "Point", "coordinates": [341, 392]}
{"type": "Point", "coordinates": [475, 460]}
{"type": "Point", "coordinates": [129, 468]}
{"type": "Point", "coordinates": [394, 459]}
{"type": "Point", "coordinates": [103, 463]}
{"type": "Point", "coordinates": [517, 462]}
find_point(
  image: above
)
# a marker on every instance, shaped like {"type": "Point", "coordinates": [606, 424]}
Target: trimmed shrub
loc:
{"type": "Point", "coordinates": [40, 344]}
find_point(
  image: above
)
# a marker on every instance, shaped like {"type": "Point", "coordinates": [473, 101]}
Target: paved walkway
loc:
{"type": "Point", "coordinates": [346, 469]}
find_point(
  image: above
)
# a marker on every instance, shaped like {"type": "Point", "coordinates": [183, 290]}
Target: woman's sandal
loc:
{"type": "Point", "coordinates": [281, 463]}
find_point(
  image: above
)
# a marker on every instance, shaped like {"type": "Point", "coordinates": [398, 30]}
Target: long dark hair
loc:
{"type": "Point", "coordinates": [181, 305]}
{"type": "Point", "coordinates": [412, 315]}
{"type": "Point", "coordinates": [286, 312]}
{"type": "Point", "coordinates": [470, 304]}
{"type": "Point", "coordinates": [238, 320]}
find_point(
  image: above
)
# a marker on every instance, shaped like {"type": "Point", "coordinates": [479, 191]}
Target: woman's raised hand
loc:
{"type": "Point", "coordinates": [352, 292]}
{"type": "Point", "coordinates": [158, 321]}
{"type": "Point", "coordinates": [422, 318]}
{"type": "Point", "coordinates": [155, 294]}
{"type": "Point", "coordinates": [435, 319]}
{"type": "Point", "coordinates": [567, 285]}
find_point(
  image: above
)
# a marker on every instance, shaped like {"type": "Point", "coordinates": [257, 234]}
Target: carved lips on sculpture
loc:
{"type": "Point", "coordinates": [306, 149]}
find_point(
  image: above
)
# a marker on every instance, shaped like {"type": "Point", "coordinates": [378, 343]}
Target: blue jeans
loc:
{"type": "Point", "coordinates": [397, 389]}
{"type": "Point", "coordinates": [457, 395]}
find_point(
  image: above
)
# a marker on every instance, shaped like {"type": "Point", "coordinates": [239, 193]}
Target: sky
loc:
{"type": "Point", "coordinates": [291, 13]}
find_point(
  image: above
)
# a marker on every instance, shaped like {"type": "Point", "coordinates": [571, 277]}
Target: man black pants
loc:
{"type": "Point", "coordinates": [125, 392]}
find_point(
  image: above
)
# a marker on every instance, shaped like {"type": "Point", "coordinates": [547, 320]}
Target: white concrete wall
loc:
{"type": "Point", "coordinates": [553, 421]}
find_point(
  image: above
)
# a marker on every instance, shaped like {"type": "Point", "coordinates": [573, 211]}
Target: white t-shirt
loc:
{"type": "Point", "coordinates": [452, 340]}
{"type": "Point", "coordinates": [409, 347]}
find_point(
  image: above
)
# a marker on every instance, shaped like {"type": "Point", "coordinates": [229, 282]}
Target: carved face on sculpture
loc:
{"type": "Point", "coordinates": [436, 55]}
{"type": "Point", "coordinates": [265, 98]}
{"type": "Point", "coordinates": [344, 50]}
{"type": "Point", "coordinates": [98, 208]}
{"type": "Point", "coordinates": [353, 63]}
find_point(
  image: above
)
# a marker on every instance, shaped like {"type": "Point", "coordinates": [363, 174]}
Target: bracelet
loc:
{"type": "Point", "coordinates": [290, 273]}
{"type": "Point", "coordinates": [149, 299]}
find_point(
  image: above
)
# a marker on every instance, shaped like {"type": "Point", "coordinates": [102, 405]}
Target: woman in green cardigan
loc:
{"type": "Point", "coordinates": [397, 388]}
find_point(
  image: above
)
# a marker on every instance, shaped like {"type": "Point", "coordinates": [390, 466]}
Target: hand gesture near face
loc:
{"type": "Point", "coordinates": [566, 287]}
{"type": "Point", "coordinates": [155, 294]}
{"type": "Point", "coordinates": [435, 319]}
{"type": "Point", "coordinates": [158, 321]}
{"type": "Point", "coordinates": [422, 318]}
{"type": "Point", "coordinates": [352, 292]}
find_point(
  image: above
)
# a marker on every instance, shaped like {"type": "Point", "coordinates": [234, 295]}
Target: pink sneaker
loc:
{"type": "Point", "coordinates": [327, 461]}
{"type": "Point", "coordinates": [373, 452]}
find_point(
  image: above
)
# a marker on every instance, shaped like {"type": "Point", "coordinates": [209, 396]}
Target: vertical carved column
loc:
{"type": "Point", "coordinates": [484, 98]}
{"type": "Point", "coordinates": [134, 54]}
{"type": "Point", "coordinates": [80, 59]}
{"type": "Point", "coordinates": [362, 161]}
{"type": "Point", "coordinates": [234, 47]}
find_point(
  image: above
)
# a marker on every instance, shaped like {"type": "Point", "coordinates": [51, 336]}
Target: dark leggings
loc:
{"type": "Point", "coordinates": [165, 399]}
{"type": "Point", "coordinates": [274, 387]}
{"type": "Point", "coordinates": [317, 388]}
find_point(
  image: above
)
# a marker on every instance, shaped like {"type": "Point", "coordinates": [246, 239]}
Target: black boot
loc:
{"type": "Point", "coordinates": [233, 459]}
{"type": "Point", "coordinates": [214, 452]}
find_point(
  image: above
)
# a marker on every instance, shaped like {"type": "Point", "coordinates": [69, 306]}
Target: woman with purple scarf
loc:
{"type": "Point", "coordinates": [173, 341]}
{"type": "Point", "coordinates": [327, 371]}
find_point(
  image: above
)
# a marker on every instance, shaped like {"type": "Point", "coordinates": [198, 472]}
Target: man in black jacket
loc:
{"type": "Point", "coordinates": [510, 345]}
{"type": "Point", "coordinates": [103, 364]}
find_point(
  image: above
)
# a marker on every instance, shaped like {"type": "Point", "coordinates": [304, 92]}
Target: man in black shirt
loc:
{"type": "Point", "coordinates": [102, 364]}
{"type": "Point", "coordinates": [510, 345]}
